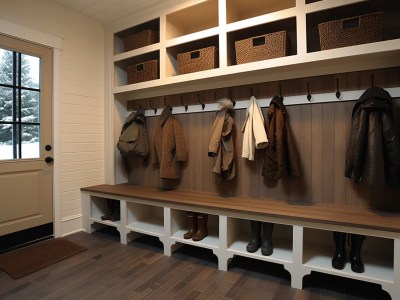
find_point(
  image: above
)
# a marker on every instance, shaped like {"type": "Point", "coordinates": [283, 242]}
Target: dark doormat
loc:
{"type": "Point", "coordinates": [27, 260]}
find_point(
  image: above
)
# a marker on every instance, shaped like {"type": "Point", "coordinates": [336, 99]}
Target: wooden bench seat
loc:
{"type": "Point", "coordinates": [309, 212]}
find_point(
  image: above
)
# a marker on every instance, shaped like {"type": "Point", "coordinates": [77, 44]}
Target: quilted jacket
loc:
{"type": "Point", "coordinates": [373, 152]}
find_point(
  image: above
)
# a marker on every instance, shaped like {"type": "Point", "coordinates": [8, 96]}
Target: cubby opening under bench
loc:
{"type": "Point", "coordinates": [302, 235]}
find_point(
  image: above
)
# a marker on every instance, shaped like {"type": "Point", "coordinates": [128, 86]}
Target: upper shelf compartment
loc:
{"type": "Point", "coordinates": [192, 19]}
{"type": "Point", "coordinates": [238, 10]}
{"type": "Point", "coordinates": [350, 23]}
{"type": "Point", "coordinates": [137, 37]}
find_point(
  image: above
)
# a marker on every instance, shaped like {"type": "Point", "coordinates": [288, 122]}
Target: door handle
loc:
{"type": "Point", "coordinates": [48, 159]}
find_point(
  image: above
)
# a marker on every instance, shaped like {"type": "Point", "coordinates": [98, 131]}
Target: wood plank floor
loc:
{"type": "Point", "coordinates": [139, 270]}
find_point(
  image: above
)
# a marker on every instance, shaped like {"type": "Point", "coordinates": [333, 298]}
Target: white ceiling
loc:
{"type": "Point", "coordinates": [109, 11]}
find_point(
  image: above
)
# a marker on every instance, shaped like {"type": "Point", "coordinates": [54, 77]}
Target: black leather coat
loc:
{"type": "Point", "coordinates": [373, 152]}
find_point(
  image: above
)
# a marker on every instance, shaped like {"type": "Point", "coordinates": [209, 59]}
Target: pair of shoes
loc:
{"type": "Point", "coordinates": [339, 259]}
{"type": "Point", "coordinates": [197, 226]}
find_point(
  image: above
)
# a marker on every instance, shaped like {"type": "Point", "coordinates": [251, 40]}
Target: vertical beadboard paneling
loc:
{"type": "Point", "coordinates": [339, 196]}
{"type": "Point", "coordinates": [328, 156]}
{"type": "Point", "coordinates": [320, 132]}
{"type": "Point", "coordinates": [317, 154]}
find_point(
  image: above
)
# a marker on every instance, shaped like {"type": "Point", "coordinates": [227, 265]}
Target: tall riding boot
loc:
{"type": "Point", "coordinates": [110, 207]}
{"type": "Point", "coordinates": [355, 253]}
{"type": "Point", "coordinates": [116, 215]}
{"type": "Point", "coordinates": [192, 218]}
{"type": "Point", "coordinates": [201, 232]}
{"type": "Point", "coordinates": [339, 259]}
{"type": "Point", "coordinates": [255, 242]}
{"type": "Point", "coordinates": [267, 247]}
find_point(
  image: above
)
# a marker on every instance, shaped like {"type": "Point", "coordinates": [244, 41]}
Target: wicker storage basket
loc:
{"type": "Point", "coordinates": [198, 60]}
{"type": "Point", "coordinates": [267, 46]}
{"type": "Point", "coordinates": [140, 39]}
{"type": "Point", "coordinates": [143, 72]}
{"type": "Point", "coordinates": [358, 30]}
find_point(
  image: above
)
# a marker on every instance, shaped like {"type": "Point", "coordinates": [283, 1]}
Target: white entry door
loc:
{"type": "Point", "coordinates": [26, 168]}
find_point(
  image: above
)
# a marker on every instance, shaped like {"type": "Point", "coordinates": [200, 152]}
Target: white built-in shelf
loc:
{"type": "Point", "coordinates": [210, 242]}
{"type": "Point", "coordinates": [97, 218]}
{"type": "Point", "coordinates": [192, 19]}
{"type": "Point", "coordinates": [301, 247]}
{"type": "Point", "coordinates": [282, 254]}
{"type": "Point", "coordinates": [378, 268]}
{"type": "Point", "coordinates": [198, 24]}
{"type": "Point", "coordinates": [154, 227]}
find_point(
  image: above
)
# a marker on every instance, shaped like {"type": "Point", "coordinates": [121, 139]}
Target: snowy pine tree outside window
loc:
{"type": "Point", "coordinates": [19, 105]}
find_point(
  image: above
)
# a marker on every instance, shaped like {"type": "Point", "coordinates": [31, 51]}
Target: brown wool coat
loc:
{"type": "Point", "coordinates": [170, 147]}
{"type": "Point", "coordinates": [281, 157]}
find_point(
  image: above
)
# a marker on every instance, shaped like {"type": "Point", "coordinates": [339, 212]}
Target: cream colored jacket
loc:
{"type": "Point", "coordinates": [254, 134]}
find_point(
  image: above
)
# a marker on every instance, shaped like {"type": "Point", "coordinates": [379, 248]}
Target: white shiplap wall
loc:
{"type": "Point", "coordinates": [80, 118]}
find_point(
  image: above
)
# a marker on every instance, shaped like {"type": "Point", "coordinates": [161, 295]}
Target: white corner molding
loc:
{"type": "Point", "coordinates": [27, 33]}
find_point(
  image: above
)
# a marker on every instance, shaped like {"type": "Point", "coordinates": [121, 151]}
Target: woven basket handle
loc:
{"type": "Point", "coordinates": [351, 23]}
{"type": "Point", "coordinates": [139, 67]}
{"type": "Point", "coordinates": [259, 40]}
{"type": "Point", "coordinates": [195, 54]}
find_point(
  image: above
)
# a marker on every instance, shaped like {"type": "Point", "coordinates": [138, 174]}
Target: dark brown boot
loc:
{"type": "Point", "coordinates": [202, 231]}
{"type": "Point", "coordinates": [255, 242]}
{"type": "Point", "coordinates": [192, 218]}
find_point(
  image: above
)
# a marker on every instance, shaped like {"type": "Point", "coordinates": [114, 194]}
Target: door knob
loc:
{"type": "Point", "coordinates": [48, 159]}
{"type": "Point", "coordinates": [48, 148]}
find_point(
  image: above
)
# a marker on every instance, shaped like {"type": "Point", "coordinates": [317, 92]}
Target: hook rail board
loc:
{"type": "Point", "coordinates": [288, 100]}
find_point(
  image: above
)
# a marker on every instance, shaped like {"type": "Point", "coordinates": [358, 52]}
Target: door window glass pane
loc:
{"type": "Point", "coordinates": [30, 141]}
{"type": "Point", "coordinates": [30, 71]}
{"type": "Point", "coordinates": [19, 105]}
{"type": "Point", "coordinates": [6, 104]}
{"type": "Point", "coordinates": [6, 141]}
{"type": "Point", "coordinates": [6, 67]}
{"type": "Point", "coordinates": [30, 106]}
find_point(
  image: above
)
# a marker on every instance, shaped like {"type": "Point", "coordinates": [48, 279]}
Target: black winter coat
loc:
{"type": "Point", "coordinates": [373, 152]}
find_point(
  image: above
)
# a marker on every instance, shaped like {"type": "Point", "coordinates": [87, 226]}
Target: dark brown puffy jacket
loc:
{"type": "Point", "coordinates": [373, 152]}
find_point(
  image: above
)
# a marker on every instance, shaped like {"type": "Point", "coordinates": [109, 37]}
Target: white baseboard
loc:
{"type": "Point", "coordinates": [71, 225]}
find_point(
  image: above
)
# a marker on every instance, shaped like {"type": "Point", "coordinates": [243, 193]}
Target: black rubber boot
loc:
{"type": "Point", "coordinates": [255, 242]}
{"type": "Point", "coordinates": [202, 231]}
{"type": "Point", "coordinates": [110, 207]}
{"type": "Point", "coordinates": [267, 247]}
{"type": "Point", "coordinates": [192, 218]}
{"type": "Point", "coordinates": [116, 215]}
{"type": "Point", "coordinates": [355, 254]}
{"type": "Point", "coordinates": [339, 260]}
